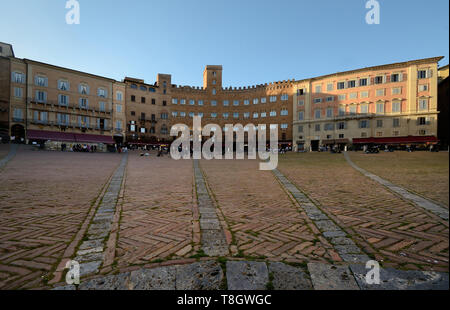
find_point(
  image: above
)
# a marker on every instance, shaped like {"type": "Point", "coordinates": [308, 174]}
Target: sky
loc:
{"type": "Point", "coordinates": [256, 41]}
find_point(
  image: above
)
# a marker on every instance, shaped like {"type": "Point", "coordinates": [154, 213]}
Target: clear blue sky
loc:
{"type": "Point", "coordinates": [257, 41]}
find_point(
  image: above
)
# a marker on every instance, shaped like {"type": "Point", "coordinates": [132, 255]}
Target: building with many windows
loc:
{"type": "Point", "coordinates": [387, 104]}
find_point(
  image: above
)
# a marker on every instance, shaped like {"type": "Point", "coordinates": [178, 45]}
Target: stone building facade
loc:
{"type": "Point", "coordinates": [387, 104]}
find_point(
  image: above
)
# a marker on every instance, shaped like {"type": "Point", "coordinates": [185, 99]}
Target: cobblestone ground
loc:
{"type": "Point", "coordinates": [262, 218]}
{"type": "Point", "coordinates": [392, 230]}
{"type": "Point", "coordinates": [156, 221]}
{"type": "Point", "coordinates": [422, 172]}
{"type": "Point", "coordinates": [45, 196]}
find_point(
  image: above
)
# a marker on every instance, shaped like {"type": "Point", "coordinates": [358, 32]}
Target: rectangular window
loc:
{"type": "Point", "coordinates": [363, 124]}
{"type": "Point", "coordinates": [301, 102]}
{"type": "Point", "coordinates": [301, 115]}
{"type": "Point", "coordinates": [102, 92]}
{"type": "Point", "coordinates": [422, 74]}
{"type": "Point", "coordinates": [396, 122]}
{"type": "Point", "coordinates": [284, 97]}
{"type": "Point", "coordinates": [329, 86]}
{"type": "Point", "coordinates": [119, 96]}
{"type": "Point", "coordinates": [341, 125]}
{"type": "Point", "coordinates": [423, 87]}
{"type": "Point", "coordinates": [226, 103]}
{"type": "Point", "coordinates": [378, 80]}
{"type": "Point", "coordinates": [273, 98]}
{"type": "Point", "coordinates": [142, 99]}
{"type": "Point", "coordinates": [17, 115]}
{"type": "Point", "coordinates": [396, 107]}
{"type": "Point", "coordinates": [284, 112]}
{"type": "Point", "coordinates": [340, 85]}
{"type": "Point", "coordinates": [380, 108]}
{"type": "Point", "coordinates": [317, 127]}
{"type": "Point", "coordinates": [200, 102]}
{"type": "Point", "coordinates": [379, 123]}
{"type": "Point", "coordinates": [423, 104]}
{"type": "Point", "coordinates": [83, 103]}
{"type": "Point", "coordinates": [351, 84]}
{"type": "Point", "coordinates": [364, 108]}
{"type": "Point", "coordinates": [363, 82]}
{"type": "Point", "coordinates": [341, 110]}
{"type": "Point", "coordinates": [213, 115]}
{"type": "Point", "coordinates": [317, 100]}
{"type": "Point", "coordinates": [213, 103]}
{"type": "Point", "coordinates": [263, 100]}
{"type": "Point", "coordinates": [225, 115]}
{"type": "Point", "coordinates": [18, 77]}
{"type": "Point", "coordinates": [395, 77]}
{"type": "Point", "coordinates": [41, 96]}
{"type": "Point", "coordinates": [421, 121]}
{"type": "Point", "coordinates": [183, 101]}
{"type": "Point", "coordinates": [255, 115]}
{"type": "Point", "coordinates": [318, 89]}
{"type": "Point", "coordinates": [183, 114]}
{"type": "Point", "coordinates": [191, 102]}
{"type": "Point", "coordinates": [317, 114]}
{"type": "Point", "coordinates": [330, 98]}
{"type": "Point", "coordinates": [352, 109]}
{"type": "Point", "coordinates": [342, 97]}
{"type": "Point", "coordinates": [330, 112]}
{"type": "Point", "coordinates": [273, 113]}
{"type": "Point", "coordinates": [263, 114]}
{"type": "Point", "coordinates": [235, 102]}
{"type": "Point", "coordinates": [380, 92]}
{"type": "Point", "coordinates": [63, 85]}
{"type": "Point", "coordinates": [353, 95]}
{"type": "Point", "coordinates": [235, 115]}
{"type": "Point", "coordinates": [174, 101]}
{"type": "Point", "coordinates": [284, 126]}
{"type": "Point", "coordinates": [300, 128]}
{"type": "Point", "coordinates": [18, 92]}
{"type": "Point", "coordinates": [133, 98]}
{"type": "Point", "coordinates": [41, 81]}
{"type": "Point", "coordinates": [63, 100]}
{"type": "Point", "coordinates": [364, 94]}
{"type": "Point", "coordinates": [174, 114]}
{"type": "Point", "coordinates": [396, 90]}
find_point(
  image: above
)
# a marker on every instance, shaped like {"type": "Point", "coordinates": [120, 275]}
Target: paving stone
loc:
{"type": "Point", "coordinates": [89, 251]}
{"type": "Point", "coordinates": [326, 225]}
{"type": "Point", "coordinates": [100, 226]}
{"type": "Point", "coordinates": [89, 257]}
{"type": "Point", "coordinates": [355, 258]}
{"type": "Point", "coordinates": [331, 234]}
{"type": "Point", "coordinates": [91, 244]}
{"type": "Point", "coordinates": [209, 223]}
{"type": "Point", "coordinates": [347, 249]}
{"type": "Point", "coordinates": [112, 282]}
{"type": "Point", "coordinates": [89, 268]}
{"type": "Point", "coordinates": [162, 278]}
{"type": "Point", "coordinates": [342, 241]}
{"type": "Point", "coordinates": [392, 279]}
{"type": "Point", "coordinates": [286, 277]}
{"type": "Point", "coordinates": [331, 277]}
{"type": "Point", "coordinates": [244, 275]}
{"type": "Point", "coordinates": [206, 275]}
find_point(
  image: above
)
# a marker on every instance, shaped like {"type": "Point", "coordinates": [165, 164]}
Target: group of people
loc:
{"type": "Point", "coordinates": [86, 148]}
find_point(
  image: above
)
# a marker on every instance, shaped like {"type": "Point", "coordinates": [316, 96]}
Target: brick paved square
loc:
{"type": "Point", "coordinates": [425, 173]}
{"type": "Point", "coordinates": [45, 197]}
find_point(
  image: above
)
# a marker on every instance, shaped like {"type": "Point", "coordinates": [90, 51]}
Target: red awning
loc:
{"type": "Point", "coordinates": [396, 140]}
{"type": "Point", "coordinates": [68, 137]}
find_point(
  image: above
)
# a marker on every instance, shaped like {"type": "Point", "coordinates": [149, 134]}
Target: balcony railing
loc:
{"type": "Point", "coordinates": [66, 106]}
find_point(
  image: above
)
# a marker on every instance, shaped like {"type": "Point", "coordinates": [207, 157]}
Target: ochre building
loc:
{"type": "Point", "coordinates": [387, 104]}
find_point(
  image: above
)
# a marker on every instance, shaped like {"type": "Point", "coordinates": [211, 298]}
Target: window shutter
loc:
{"type": "Point", "coordinates": [384, 78]}
{"type": "Point", "coordinates": [45, 96]}
{"type": "Point", "coordinates": [106, 124]}
{"type": "Point", "coordinates": [36, 115]}
{"type": "Point", "coordinates": [400, 77]}
{"type": "Point", "coordinates": [429, 73]}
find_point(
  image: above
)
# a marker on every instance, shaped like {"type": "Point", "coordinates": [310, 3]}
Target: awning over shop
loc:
{"type": "Point", "coordinates": [335, 141]}
{"type": "Point", "coordinates": [68, 137]}
{"type": "Point", "coordinates": [397, 140]}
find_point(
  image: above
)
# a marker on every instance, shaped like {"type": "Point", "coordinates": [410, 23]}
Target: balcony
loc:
{"type": "Point", "coordinates": [18, 120]}
{"type": "Point", "coordinates": [70, 105]}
